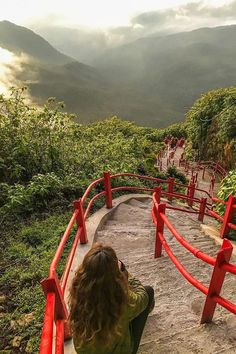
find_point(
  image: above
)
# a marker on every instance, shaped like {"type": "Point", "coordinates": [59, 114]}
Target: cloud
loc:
{"type": "Point", "coordinates": [153, 18]}
{"type": "Point", "coordinates": [85, 44]}
{"type": "Point", "coordinates": [11, 67]}
{"type": "Point", "coordinates": [171, 20]}
{"type": "Point", "coordinates": [193, 12]}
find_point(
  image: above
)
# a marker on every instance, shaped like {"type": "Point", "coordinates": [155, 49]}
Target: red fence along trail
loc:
{"type": "Point", "coordinates": [56, 311]}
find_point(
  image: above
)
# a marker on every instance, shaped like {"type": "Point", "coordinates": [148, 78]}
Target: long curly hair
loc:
{"type": "Point", "coordinates": [98, 295]}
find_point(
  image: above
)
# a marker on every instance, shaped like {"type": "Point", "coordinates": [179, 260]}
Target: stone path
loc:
{"type": "Point", "coordinates": [173, 326]}
{"type": "Point", "coordinates": [201, 183]}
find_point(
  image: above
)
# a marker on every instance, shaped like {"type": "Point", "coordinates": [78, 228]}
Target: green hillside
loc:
{"type": "Point", "coordinates": [47, 160]}
{"type": "Point", "coordinates": [18, 39]}
{"type": "Point", "coordinates": [211, 127]}
{"type": "Point", "coordinates": [47, 72]}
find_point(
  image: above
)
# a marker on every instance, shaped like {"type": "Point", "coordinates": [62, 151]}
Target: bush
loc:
{"type": "Point", "coordinates": [29, 252]}
{"type": "Point", "coordinates": [227, 187]}
{"type": "Point", "coordinates": [173, 172]}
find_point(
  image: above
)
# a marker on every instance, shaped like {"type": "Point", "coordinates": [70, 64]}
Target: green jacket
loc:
{"type": "Point", "coordinates": [138, 300]}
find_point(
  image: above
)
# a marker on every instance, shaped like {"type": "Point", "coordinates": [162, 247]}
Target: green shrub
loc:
{"type": "Point", "coordinates": [227, 187]}
{"type": "Point", "coordinates": [173, 172]}
{"type": "Point", "coordinates": [27, 256]}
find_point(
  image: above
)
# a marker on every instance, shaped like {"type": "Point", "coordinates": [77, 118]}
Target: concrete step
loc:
{"type": "Point", "coordinates": [173, 326]}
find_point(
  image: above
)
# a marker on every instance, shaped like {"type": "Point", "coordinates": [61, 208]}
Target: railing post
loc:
{"type": "Point", "coordinates": [157, 194]}
{"type": "Point", "coordinates": [191, 190]}
{"type": "Point", "coordinates": [59, 337]}
{"type": "Point", "coordinates": [228, 217]}
{"type": "Point", "coordinates": [80, 221]}
{"type": "Point", "coordinates": [46, 344]}
{"type": "Point", "coordinates": [212, 184]}
{"type": "Point", "coordinates": [107, 186]}
{"type": "Point", "coordinates": [159, 229]}
{"type": "Point", "coordinates": [203, 172]}
{"type": "Point", "coordinates": [216, 282]}
{"type": "Point", "coordinates": [56, 311]}
{"type": "Point", "coordinates": [52, 285]}
{"type": "Point", "coordinates": [202, 208]}
{"type": "Point", "coordinates": [171, 182]}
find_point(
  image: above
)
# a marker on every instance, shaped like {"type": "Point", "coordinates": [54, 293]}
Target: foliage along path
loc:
{"type": "Point", "coordinates": [174, 325]}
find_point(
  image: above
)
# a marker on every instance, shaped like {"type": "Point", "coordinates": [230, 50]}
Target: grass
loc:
{"type": "Point", "coordinates": [26, 252]}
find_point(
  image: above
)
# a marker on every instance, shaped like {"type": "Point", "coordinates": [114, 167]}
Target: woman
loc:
{"type": "Point", "coordinates": [108, 307]}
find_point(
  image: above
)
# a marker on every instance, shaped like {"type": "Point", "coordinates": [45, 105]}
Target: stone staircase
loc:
{"type": "Point", "coordinates": [201, 183]}
{"type": "Point", "coordinates": [173, 326]}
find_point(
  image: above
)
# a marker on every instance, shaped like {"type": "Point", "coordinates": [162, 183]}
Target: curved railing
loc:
{"type": "Point", "coordinates": [220, 262]}
{"type": "Point", "coordinates": [56, 310]}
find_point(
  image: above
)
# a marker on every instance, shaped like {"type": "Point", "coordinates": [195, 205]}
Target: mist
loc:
{"type": "Point", "coordinates": [88, 44]}
{"type": "Point", "coordinates": [9, 65]}
{"type": "Point", "coordinates": [12, 71]}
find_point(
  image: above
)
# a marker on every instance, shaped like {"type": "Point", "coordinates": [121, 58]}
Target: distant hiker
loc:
{"type": "Point", "coordinates": [108, 307]}
{"type": "Point", "coordinates": [172, 143]}
{"type": "Point", "coordinates": [166, 140]}
{"type": "Point", "coordinates": [181, 142]}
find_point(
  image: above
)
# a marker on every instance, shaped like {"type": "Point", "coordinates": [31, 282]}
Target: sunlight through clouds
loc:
{"type": "Point", "coordinates": [10, 67]}
{"type": "Point", "coordinates": [6, 58]}
{"type": "Point", "coordinates": [89, 13]}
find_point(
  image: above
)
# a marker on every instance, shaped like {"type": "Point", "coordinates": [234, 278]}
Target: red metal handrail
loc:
{"type": "Point", "coordinates": [181, 209]}
{"type": "Point", "coordinates": [62, 245]}
{"type": "Point", "coordinates": [196, 252]}
{"type": "Point", "coordinates": [55, 310]}
{"type": "Point", "coordinates": [218, 201]}
{"type": "Point", "coordinates": [90, 187]}
{"type": "Point", "coordinates": [214, 165]}
{"type": "Point", "coordinates": [181, 268]}
{"type": "Point", "coordinates": [221, 262]}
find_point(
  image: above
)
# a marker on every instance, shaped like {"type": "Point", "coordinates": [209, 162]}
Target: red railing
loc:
{"type": "Point", "coordinates": [56, 311]}
{"type": "Point", "coordinates": [220, 263]}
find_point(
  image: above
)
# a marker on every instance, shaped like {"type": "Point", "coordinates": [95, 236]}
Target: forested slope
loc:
{"type": "Point", "coordinates": [211, 127]}
{"type": "Point", "coordinates": [46, 161]}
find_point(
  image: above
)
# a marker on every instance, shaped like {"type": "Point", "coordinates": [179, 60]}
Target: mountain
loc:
{"type": "Point", "coordinates": [152, 81]}
{"type": "Point", "coordinates": [18, 39]}
{"type": "Point", "coordinates": [49, 73]}
{"type": "Point", "coordinates": [160, 78]}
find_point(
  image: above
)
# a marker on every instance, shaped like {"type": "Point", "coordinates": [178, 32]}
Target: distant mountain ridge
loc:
{"type": "Point", "coordinates": [49, 73]}
{"type": "Point", "coordinates": [152, 81]}
{"type": "Point", "coordinates": [167, 74]}
{"type": "Point", "coordinates": [18, 39]}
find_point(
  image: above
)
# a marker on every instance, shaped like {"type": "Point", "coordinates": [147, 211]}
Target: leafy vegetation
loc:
{"type": "Point", "coordinates": [211, 127]}
{"type": "Point", "coordinates": [173, 172]}
{"type": "Point", "coordinates": [227, 187]}
{"type": "Point", "coordinates": [46, 161]}
{"type": "Point", "coordinates": [26, 262]}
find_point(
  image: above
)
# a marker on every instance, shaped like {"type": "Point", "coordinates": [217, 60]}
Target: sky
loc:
{"type": "Point", "coordinates": [97, 14]}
